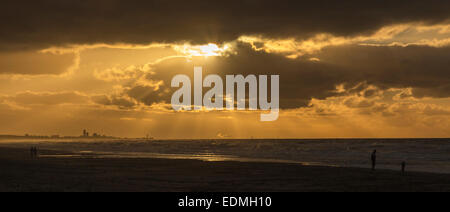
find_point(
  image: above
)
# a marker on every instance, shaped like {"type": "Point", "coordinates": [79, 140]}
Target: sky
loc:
{"type": "Point", "coordinates": [348, 69]}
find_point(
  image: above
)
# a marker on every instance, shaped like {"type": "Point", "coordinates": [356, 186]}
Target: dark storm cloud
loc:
{"type": "Point", "coordinates": [425, 69]}
{"type": "Point", "coordinates": [44, 23]}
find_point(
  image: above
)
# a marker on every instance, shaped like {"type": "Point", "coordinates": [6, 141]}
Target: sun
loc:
{"type": "Point", "coordinates": [209, 50]}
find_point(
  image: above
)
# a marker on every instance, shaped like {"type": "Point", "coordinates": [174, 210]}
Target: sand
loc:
{"type": "Point", "coordinates": [18, 172]}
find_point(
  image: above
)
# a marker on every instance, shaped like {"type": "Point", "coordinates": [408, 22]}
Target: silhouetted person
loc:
{"type": "Point", "coordinates": [33, 152]}
{"type": "Point", "coordinates": [403, 167]}
{"type": "Point", "coordinates": [374, 159]}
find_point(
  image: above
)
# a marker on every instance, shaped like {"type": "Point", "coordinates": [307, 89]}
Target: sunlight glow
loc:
{"type": "Point", "coordinates": [209, 50]}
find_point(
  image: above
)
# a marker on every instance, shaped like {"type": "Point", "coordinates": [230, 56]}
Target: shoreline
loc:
{"type": "Point", "coordinates": [18, 172]}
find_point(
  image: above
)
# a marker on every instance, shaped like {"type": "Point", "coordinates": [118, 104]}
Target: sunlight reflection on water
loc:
{"type": "Point", "coordinates": [210, 157]}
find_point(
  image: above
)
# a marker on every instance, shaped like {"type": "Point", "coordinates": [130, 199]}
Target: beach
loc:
{"type": "Point", "coordinates": [19, 172]}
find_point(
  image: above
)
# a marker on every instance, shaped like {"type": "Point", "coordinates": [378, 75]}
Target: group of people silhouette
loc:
{"type": "Point", "coordinates": [34, 152]}
{"type": "Point", "coordinates": [374, 162]}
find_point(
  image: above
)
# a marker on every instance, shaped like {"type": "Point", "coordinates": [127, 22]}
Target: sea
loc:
{"type": "Point", "coordinates": [421, 155]}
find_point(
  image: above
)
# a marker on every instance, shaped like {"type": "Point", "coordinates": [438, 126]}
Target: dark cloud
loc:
{"type": "Point", "coordinates": [121, 102]}
{"type": "Point", "coordinates": [423, 68]}
{"type": "Point", "coordinates": [43, 23]}
{"type": "Point", "coordinates": [147, 94]}
{"type": "Point", "coordinates": [437, 91]}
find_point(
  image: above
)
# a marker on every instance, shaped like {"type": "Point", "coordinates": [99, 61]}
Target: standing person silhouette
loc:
{"type": "Point", "coordinates": [374, 159]}
{"type": "Point", "coordinates": [403, 167]}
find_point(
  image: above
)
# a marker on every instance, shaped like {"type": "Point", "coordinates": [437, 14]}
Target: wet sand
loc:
{"type": "Point", "coordinates": [18, 172]}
